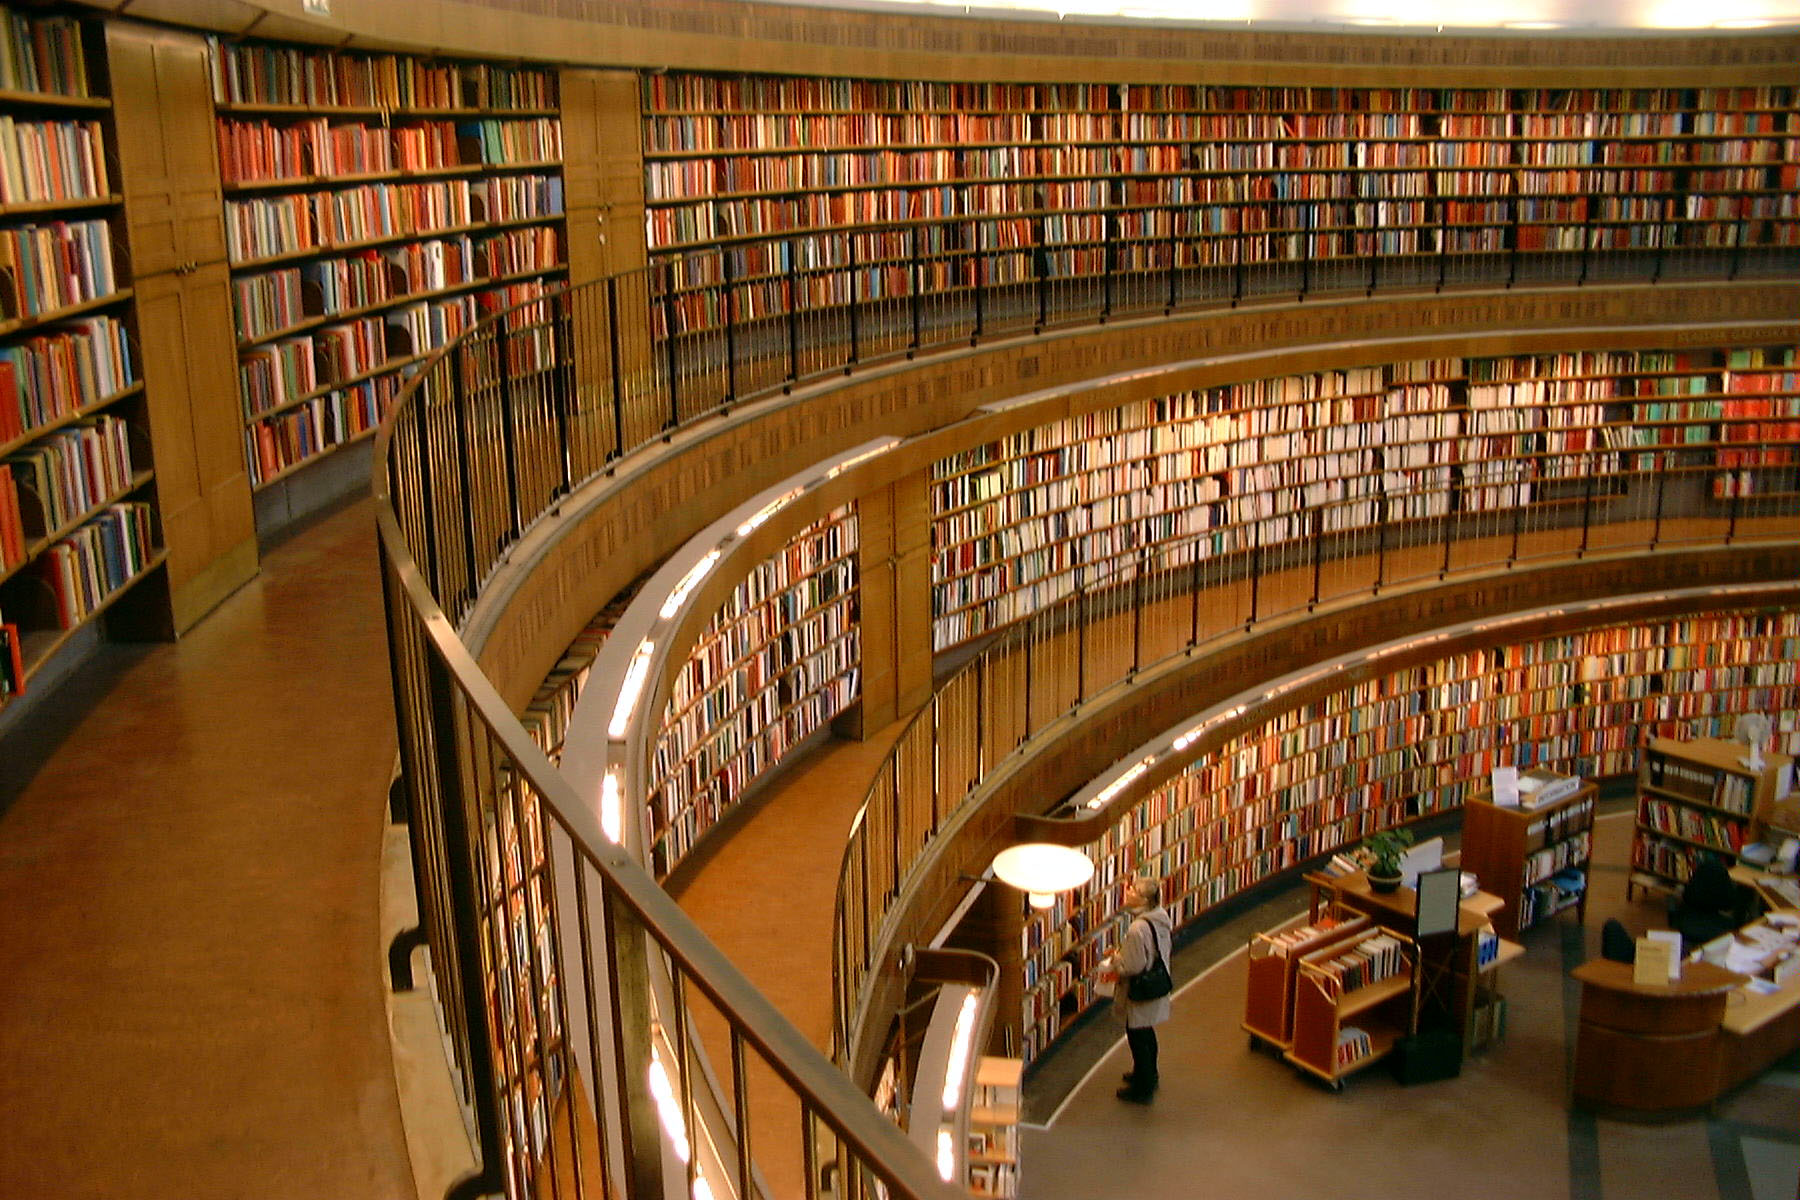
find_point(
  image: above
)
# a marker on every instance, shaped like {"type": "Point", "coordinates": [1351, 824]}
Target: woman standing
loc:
{"type": "Point", "coordinates": [1146, 941]}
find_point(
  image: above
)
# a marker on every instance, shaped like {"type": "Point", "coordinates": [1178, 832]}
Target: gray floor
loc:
{"type": "Point", "coordinates": [1232, 1121]}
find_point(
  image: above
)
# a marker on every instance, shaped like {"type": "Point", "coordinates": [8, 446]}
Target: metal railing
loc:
{"type": "Point", "coordinates": [542, 935]}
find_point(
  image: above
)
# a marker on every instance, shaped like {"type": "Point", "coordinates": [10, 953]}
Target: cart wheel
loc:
{"type": "Point", "coordinates": [1337, 1085]}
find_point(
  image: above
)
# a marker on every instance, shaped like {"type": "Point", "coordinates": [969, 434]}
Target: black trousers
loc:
{"type": "Point", "coordinates": [1143, 1057]}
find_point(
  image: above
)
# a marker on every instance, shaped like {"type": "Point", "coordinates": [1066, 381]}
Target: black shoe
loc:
{"type": "Point", "coordinates": [1134, 1094]}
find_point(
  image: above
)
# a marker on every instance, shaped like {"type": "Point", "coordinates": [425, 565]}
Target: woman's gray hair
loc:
{"type": "Point", "coordinates": [1147, 889]}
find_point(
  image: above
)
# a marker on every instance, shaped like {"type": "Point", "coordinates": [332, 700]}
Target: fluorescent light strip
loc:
{"type": "Point", "coordinates": [631, 689]}
{"type": "Point", "coordinates": [768, 510]}
{"type": "Point", "coordinates": [685, 586]}
{"type": "Point", "coordinates": [612, 811]}
{"type": "Point", "coordinates": [958, 1069]}
{"type": "Point", "coordinates": [668, 1107]}
{"type": "Point", "coordinates": [1122, 782]}
{"type": "Point", "coordinates": [864, 457]}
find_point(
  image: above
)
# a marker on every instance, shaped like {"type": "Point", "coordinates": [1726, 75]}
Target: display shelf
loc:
{"type": "Point", "coordinates": [1402, 746]}
{"type": "Point", "coordinates": [359, 187]}
{"type": "Point", "coordinates": [1155, 486]}
{"type": "Point", "coordinates": [1515, 851]}
{"type": "Point", "coordinates": [1697, 797]}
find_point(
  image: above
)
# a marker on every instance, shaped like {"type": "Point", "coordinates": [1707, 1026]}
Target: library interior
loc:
{"type": "Point", "coordinates": [612, 599]}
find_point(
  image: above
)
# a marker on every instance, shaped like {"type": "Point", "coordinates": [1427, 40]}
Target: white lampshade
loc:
{"type": "Point", "coordinates": [1043, 869]}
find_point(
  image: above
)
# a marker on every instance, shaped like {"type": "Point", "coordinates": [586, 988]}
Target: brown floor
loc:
{"type": "Point", "coordinates": [190, 968]}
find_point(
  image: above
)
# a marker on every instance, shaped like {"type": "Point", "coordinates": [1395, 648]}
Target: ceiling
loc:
{"type": "Point", "coordinates": [1501, 16]}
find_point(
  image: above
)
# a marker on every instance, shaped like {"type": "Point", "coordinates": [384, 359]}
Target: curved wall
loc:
{"type": "Point", "coordinates": [740, 35]}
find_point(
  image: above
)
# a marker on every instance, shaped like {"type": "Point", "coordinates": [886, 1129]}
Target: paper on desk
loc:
{"type": "Point", "coordinates": [1745, 959]}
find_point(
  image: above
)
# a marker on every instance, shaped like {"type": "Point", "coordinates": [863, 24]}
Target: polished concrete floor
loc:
{"type": "Point", "coordinates": [190, 967]}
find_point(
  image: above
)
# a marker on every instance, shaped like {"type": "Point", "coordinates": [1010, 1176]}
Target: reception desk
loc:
{"type": "Point", "coordinates": [1653, 1051]}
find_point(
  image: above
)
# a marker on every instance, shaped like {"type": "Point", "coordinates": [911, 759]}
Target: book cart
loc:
{"type": "Point", "coordinates": [1353, 1001]}
{"type": "Point", "coordinates": [1273, 966]}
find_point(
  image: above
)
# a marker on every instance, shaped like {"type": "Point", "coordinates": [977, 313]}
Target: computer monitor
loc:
{"type": "Point", "coordinates": [1426, 856]}
{"type": "Point", "coordinates": [1440, 902]}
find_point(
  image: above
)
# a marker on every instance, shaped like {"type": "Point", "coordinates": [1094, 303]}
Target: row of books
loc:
{"type": "Point", "coordinates": [675, 91]}
{"type": "Point", "coordinates": [277, 444]}
{"type": "Point", "coordinates": [262, 73]}
{"type": "Point", "coordinates": [674, 837]}
{"type": "Point", "coordinates": [1370, 960]}
{"type": "Point", "coordinates": [47, 161]}
{"type": "Point", "coordinates": [1542, 864]}
{"type": "Point", "coordinates": [87, 566]}
{"type": "Point", "coordinates": [261, 152]}
{"type": "Point", "coordinates": [42, 54]}
{"type": "Point", "coordinates": [1691, 824]}
{"type": "Point", "coordinates": [54, 265]}
{"type": "Point", "coordinates": [988, 520]}
{"type": "Point", "coordinates": [1721, 789]}
{"type": "Point", "coordinates": [1565, 822]}
{"type": "Point", "coordinates": [49, 376]}
{"type": "Point", "coordinates": [12, 662]}
{"type": "Point", "coordinates": [271, 226]}
{"type": "Point", "coordinates": [771, 666]}
{"type": "Point", "coordinates": [13, 541]}
{"type": "Point", "coordinates": [270, 303]}
{"type": "Point", "coordinates": [73, 470]}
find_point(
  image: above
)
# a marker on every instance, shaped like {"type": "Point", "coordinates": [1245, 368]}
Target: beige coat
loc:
{"type": "Point", "coordinates": [1133, 957]}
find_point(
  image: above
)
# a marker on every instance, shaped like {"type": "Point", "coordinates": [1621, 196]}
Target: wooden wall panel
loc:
{"type": "Point", "coordinates": [186, 337]}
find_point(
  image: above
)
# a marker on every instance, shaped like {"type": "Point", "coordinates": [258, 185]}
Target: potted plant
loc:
{"type": "Point", "coordinates": [1383, 851]}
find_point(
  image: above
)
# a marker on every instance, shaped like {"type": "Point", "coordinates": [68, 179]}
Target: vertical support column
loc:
{"type": "Point", "coordinates": [628, 952]}
{"type": "Point", "coordinates": [894, 579]}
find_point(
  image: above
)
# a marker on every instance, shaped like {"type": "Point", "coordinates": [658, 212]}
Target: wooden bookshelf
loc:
{"type": "Point", "coordinates": [826, 191]}
{"type": "Point", "coordinates": [1353, 1001]}
{"type": "Point", "coordinates": [1392, 749]}
{"type": "Point", "coordinates": [1516, 851]}
{"type": "Point", "coordinates": [1696, 797]}
{"type": "Point", "coordinates": [80, 525]}
{"type": "Point", "coordinates": [775, 664]}
{"type": "Point", "coordinates": [993, 1127]}
{"type": "Point", "coordinates": [376, 206]}
{"type": "Point", "coordinates": [1156, 488]}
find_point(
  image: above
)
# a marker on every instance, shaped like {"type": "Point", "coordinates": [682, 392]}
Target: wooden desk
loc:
{"type": "Point", "coordinates": [1650, 1049]}
{"type": "Point", "coordinates": [1760, 881]}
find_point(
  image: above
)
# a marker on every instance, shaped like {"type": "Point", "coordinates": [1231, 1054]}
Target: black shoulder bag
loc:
{"type": "Point", "coordinates": [1153, 982]}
